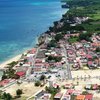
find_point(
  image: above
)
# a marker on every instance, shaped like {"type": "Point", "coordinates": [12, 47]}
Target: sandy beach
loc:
{"type": "Point", "coordinates": [16, 58]}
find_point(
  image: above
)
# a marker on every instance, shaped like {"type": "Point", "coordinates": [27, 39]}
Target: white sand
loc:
{"type": "Point", "coordinates": [28, 89]}
{"type": "Point", "coordinates": [16, 58]}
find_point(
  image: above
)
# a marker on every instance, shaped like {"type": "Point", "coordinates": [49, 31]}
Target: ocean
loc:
{"type": "Point", "coordinates": [22, 21]}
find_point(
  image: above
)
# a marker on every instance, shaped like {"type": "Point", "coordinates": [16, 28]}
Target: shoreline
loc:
{"type": "Point", "coordinates": [4, 64]}
{"type": "Point", "coordinates": [17, 57]}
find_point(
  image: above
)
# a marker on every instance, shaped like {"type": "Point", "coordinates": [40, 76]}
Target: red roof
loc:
{"type": "Point", "coordinates": [21, 73]}
{"type": "Point", "coordinates": [89, 56]}
{"type": "Point", "coordinates": [58, 95]}
{"type": "Point", "coordinates": [32, 51]}
{"type": "Point", "coordinates": [38, 64]}
{"type": "Point", "coordinates": [70, 91]}
{"type": "Point", "coordinates": [89, 62]}
{"type": "Point", "coordinates": [95, 86]}
{"type": "Point", "coordinates": [66, 96]}
{"type": "Point", "coordinates": [68, 85]}
{"type": "Point", "coordinates": [89, 96]}
{"type": "Point", "coordinates": [55, 85]}
{"type": "Point", "coordinates": [4, 82]}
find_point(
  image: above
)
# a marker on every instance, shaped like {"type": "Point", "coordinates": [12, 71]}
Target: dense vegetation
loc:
{"type": "Point", "coordinates": [85, 8]}
{"type": "Point", "coordinates": [54, 58]}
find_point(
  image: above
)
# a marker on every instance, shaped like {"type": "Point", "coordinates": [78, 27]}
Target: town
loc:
{"type": "Point", "coordinates": [64, 65]}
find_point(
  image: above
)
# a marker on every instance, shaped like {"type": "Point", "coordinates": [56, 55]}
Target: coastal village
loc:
{"type": "Point", "coordinates": [64, 65]}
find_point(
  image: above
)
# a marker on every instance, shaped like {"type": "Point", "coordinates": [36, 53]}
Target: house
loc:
{"type": "Point", "coordinates": [42, 95]}
{"type": "Point", "coordinates": [38, 60]}
{"type": "Point", "coordinates": [21, 73]}
{"type": "Point", "coordinates": [90, 64]}
{"type": "Point", "coordinates": [39, 69]}
{"type": "Point", "coordinates": [76, 65]}
{"type": "Point", "coordinates": [68, 86]}
{"type": "Point", "coordinates": [66, 97]}
{"type": "Point", "coordinates": [80, 97]}
{"type": "Point", "coordinates": [89, 97]}
{"type": "Point", "coordinates": [4, 82]}
{"type": "Point", "coordinates": [30, 57]}
{"type": "Point", "coordinates": [32, 51]}
{"type": "Point", "coordinates": [88, 86]}
{"type": "Point", "coordinates": [89, 57]}
{"type": "Point", "coordinates": [41, 54]}
{"type": "Point", "coordinates": [46, 96]}
{"type": "Point", "coordinates": [74, 34]}
{"type": "Point", "coordinates": [71, 60]}
{"type": "Point", "coordinates": [58, 96]}
{"type": "Point", "coordinates": [55, 85]}
{"type": "Point", "coordinates": [70, 91]}
{"type": "Point", "coordinates": [77, 92]}
{"type": "Point", "coordinates": [95, 86]}
{"type": "Point", "coordinates": [78, 45]}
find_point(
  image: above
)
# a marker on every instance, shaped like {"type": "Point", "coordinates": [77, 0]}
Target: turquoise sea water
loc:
{"type": "Point", "coordinates": [21, 21]}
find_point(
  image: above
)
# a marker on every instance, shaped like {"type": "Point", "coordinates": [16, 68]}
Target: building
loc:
{"type": "Point", "coordinates": [21, 74]}
{"type": "Point", "coordinates": [89, 97]}
{"type": "Point", "coordinates": [42, 95]}
{"type": "Point", "coordinates": [66, 97]}
{"type": "Point", "coordinates": [80, 97]}
{"type": "Point", "coordinates": [58, 96]}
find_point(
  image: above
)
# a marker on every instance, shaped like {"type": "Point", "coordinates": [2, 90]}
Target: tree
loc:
{"type": "Point", "coordinates": [73, 97]}
{"type": "Point", "coordinates": [52, 43]}
{"type": "Point", "coordinates": [16, 76]}
{"type": "Point", "coordinates": [85, 36]}
{"type": "Point", "coordinates": [6, 96]}
{"type": "Point", "coordinates": [9, 97]}
{"type": "Point", "coordinates": [51, 29]}
{"type": "Point", "coordinates": [37, 83]}
{"type": "Point", "coordinates": [12, 64]}
{"type": "Point", "coordinates": [19, 92]}
{"type": "Point", "coordinates": [10, 72]}
{"type": "Point", "coordinates": [42, 78]}
{"type": "Point", "coordinates": [98, 49]}
{"type": "Point", "coordinates": [55, 23]}
{"type": "Point", "coordinates": [58, 37]}
{"type": "Point", "coordinates": [53, 58]}
{"type": "Point", "coordinates": [4, 77]}
{"type": "Point", "coordinates": [85, 93]}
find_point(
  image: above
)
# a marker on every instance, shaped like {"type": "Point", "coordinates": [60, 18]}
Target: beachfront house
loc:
{"type": "Point", "coordinates": [20, 74]}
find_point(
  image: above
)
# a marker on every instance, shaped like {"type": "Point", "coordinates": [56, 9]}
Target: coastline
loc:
{"type": "Point", "coordinates": [16, 58]}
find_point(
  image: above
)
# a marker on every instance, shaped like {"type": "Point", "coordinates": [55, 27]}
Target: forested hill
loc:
{"type": "Point", "coordinates": [75, 3]}
{"type": "Point", "coordinates": [86, 8]}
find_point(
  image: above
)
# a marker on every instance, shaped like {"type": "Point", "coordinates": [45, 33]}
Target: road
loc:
{"type": "Point", "coordinates": [67, 64]}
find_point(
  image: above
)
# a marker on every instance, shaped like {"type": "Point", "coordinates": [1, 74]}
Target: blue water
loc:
{"type": "Point", "coordinates": [21, 21]}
